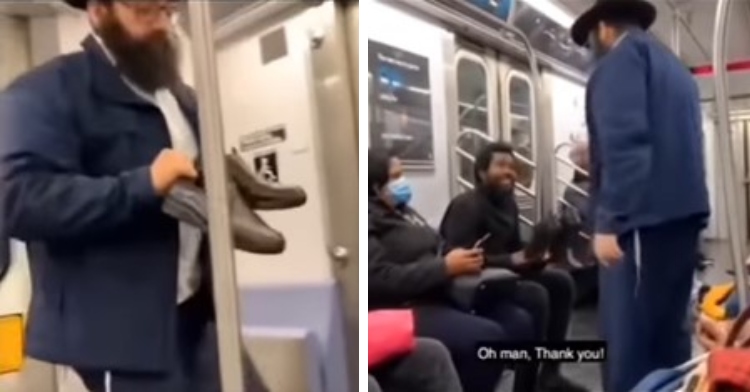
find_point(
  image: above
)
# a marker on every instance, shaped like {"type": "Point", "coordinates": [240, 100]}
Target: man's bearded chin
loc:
{"type": "Point", "coordinates": [150, 63]}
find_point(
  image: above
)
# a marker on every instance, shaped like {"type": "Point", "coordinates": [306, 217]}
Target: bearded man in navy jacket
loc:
{"type": "Point", "coordinates": [90, 143]}
{"type": "Point", "coordinates": [649, 195]}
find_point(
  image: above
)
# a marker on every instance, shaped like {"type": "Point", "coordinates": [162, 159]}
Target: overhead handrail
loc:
{"type": "Point", "coordinates": [477, 22]}
{"type": "Point", "coordinates": [726, 162]}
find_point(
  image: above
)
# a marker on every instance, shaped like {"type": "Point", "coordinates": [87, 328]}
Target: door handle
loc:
{"type": "Point", "coordinates": [340, 255]}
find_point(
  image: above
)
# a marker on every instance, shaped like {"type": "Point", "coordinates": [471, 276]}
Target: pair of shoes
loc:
{"type": "Point", "coordinates": [543, 235]}
{"type": "Point", "coordinates": [247, 193]}
{"type": "Point", "coordinates": [260, 194]}
{"type": "Point", "coordinates": [186, 202]}
{"type": "Point", "coordinates": [553, 235]}
{"type": "Point", "coordinates": [569, 224]}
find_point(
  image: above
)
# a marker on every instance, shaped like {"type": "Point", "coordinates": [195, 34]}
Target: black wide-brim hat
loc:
{"type": "Point", "coordinates": [640, 11]}
{"type": "Point", "coordinates": [80, 4]}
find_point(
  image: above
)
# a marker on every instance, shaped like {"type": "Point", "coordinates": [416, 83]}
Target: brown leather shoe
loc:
{"type": "Point", "coordinates": [187, 203]}
{"type": "Point", "coordinates": [258, 193]}
{"type": "Point", "coordinates": [251, 233]}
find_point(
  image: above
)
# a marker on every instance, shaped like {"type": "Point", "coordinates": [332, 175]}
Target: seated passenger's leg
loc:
{"type": "Point", "coordinates": [428, 368]}
{"type": "Point", "coordinates": [560, 289]}
{"type": "Point", "coordinates": [534, 299]}
{"type": "Point", "coordinates": [461, 332]}
{"type": "Point", "coordinates": [519, 325]}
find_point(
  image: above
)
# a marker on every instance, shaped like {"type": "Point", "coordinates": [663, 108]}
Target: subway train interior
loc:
{"type": "Point", "coordinates": [282, 93]}
{"type": "Point", "coordinates": [470, 72]}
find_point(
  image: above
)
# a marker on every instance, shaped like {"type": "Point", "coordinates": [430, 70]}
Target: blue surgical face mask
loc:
{"type": "Point", "coordinates": [400, 191]}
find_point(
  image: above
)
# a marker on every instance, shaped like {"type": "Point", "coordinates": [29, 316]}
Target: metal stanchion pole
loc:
{"type": "Point", "coordinates": [726, 154]}
{"type": "Point", "coordinates": [222, 249]}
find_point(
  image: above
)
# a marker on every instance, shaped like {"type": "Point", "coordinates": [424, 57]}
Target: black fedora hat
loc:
{"type": "Point", "coordinates": [640, 11]}
{"type": "Point", "coordinates": [80, 4]}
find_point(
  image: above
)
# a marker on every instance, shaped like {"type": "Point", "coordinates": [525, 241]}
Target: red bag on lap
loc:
{"type": "Point", "coordinates": [390, 334]}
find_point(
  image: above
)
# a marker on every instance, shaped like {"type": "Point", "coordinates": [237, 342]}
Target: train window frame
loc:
{"type": "Point", "coordinates": [464, 55]}
{"type": "Point", "coordinates": [530, 194]}
{"type": "Point", "coordinates": [522, 76]}
{"type": "Point", "coordinates": [461, 57]}
{"type": "Point", "coordinates": [511, 75]}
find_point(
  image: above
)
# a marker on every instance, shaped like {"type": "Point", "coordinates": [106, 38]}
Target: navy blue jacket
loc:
{"type": "Point", "coordinates": [644, 121]}
{"type": "Point", "coordinates": [75, 148]}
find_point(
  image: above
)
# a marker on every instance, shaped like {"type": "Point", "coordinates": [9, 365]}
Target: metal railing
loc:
{"type": "Point", "coordinates": [727, 168]}
{"type": "Point", "coordinates": [571, 185]}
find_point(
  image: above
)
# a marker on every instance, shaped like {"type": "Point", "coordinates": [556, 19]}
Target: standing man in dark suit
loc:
{"type": "Point", "coordinates": [649, 194]}
{"type": "Point", "coordinates": [89, 145]}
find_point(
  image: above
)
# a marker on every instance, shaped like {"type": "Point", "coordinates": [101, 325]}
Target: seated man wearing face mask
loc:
{"type": "Point", "coordinates": [406, 270]}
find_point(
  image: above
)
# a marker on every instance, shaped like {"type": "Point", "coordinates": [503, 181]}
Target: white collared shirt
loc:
{"type": "Point", "coordinates": [619, 39]}
{"type": "Point", "coordinates": [182, 140]}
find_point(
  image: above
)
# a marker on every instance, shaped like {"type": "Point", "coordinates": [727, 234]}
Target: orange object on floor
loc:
{"type": "Point", "coordinates": [713, 301]}
{"type": "Point", "coordinates": [11, 343]}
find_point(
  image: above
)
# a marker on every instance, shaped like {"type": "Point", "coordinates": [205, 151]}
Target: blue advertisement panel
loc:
{"type": "Point", "coordinates": [502, 9]}
{"type": "Point", "coordinates": [400, 101]}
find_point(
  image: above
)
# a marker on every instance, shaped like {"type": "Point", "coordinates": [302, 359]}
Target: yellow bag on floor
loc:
{"type": "Point", "coordinates": [11, 343]}
{"type": "Point", "coordinates": [714, 300]}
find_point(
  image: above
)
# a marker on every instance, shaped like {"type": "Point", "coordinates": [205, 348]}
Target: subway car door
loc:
{"type": "Point", "coordinates": [475, 110]}
{"type": "Point", "coordinates": [519, 129]}
{"type": "Point", "coordinates": [336, 75]}
{"type": "Point", "coordinates": [288, 107]}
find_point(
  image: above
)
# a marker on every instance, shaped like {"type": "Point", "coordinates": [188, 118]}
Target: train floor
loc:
{"type": "Point", "coordinates": [584, 323]}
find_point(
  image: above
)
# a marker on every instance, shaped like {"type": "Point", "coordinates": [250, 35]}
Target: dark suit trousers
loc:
{"type": "Point", "coordinates": [195, 365]}
{"type": "Point", "coordinates": [643, 302]}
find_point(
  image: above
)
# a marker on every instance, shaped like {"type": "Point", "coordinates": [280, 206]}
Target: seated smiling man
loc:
{"type": "Point", "coordinates": [490, 211]}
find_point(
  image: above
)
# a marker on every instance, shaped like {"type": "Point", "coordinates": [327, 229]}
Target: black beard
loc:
{"type": "Point", "coordinates": [498, 193]}
{"type": "Point", "coordinates": [151, 63]}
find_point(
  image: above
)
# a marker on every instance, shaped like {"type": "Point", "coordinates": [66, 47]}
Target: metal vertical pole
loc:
{"type": "Point", "coordinates": [676, 32]}
{"type": "Point", "coordinates": [222, 249]}
{"type": "Point", "coordinates": [727, 165]}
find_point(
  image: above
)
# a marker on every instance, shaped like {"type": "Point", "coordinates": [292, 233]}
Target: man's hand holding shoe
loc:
{"type": "Point", "coordinates": [169, 167]}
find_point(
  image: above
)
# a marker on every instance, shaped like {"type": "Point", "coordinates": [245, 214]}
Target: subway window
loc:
{"type": "Point", "coordinates": [472, 114]}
